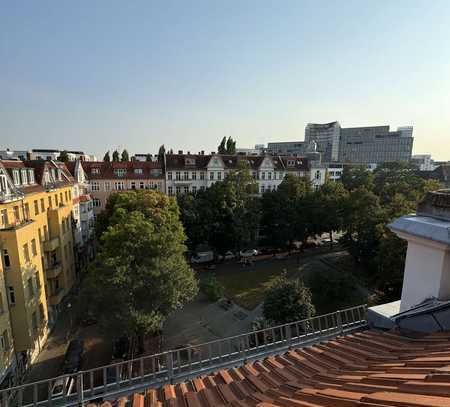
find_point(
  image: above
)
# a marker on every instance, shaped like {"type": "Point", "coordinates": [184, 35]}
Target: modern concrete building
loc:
{"type": "Point", "coordinates": [291, 148]}
{"type": "Point", "coordinates": [375, 144]}
{"type": "Point", "coordinates": [424, 162]}
{"type": "Point", "coordinates": [326, 136]}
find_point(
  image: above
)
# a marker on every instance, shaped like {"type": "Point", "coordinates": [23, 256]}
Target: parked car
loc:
{"type": "Point", "coordinates": [202, 257]}
{"type": "Point", "coordinates": [248, 253]}
{"type": "Point", "coordinates": [73, 357]}
{"type": "Point", "coordinates": [227, 256]}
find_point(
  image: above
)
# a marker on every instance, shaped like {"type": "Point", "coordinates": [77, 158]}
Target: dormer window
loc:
{"type": "Point", "coordinates": [189, 161]}
{"type": "Point", "coordinates": [95, 171]}
{"type": "Point", "coordinates": [53, 172]}
{"type": "Point", "coordinates": [16, 177]}
{"type": "Point", "coordinates": [59, 175]}
{"type": "Point", "coordinates": [138, 170]}
{"type": "Point", "coordinates": [24, 177]}
{"type": "Point", "coordinates": [120, 172]}
{"type": "Point", "coordinates": [291, 163]}
{"type": "Point", "coordinates": [3, 183]}
{"type": "Point", "coordinates": [31, 176]}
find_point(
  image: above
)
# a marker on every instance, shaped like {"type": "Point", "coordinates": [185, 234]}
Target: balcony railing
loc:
{"type": "Point", "coordinates": [51, 244]}
{"type": "Point", "coordinates": [117, 379]}
{"type": "Point", "coordinates": [53, 270]}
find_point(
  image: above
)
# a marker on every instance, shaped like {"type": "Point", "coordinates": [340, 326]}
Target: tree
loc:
{"type": "Point", "coordinates": [140, 265]}
{"type": "Point", "coordinates": [358, 176]}
{"type": "Point", "coordinates": [115, 156]}
{"type": "Point", "coordinates": [329, 208]}
{"type": "Point", "coordinates": [125, 156]}
{"type": "Point", "coordinates": [222, 149]}
{"type": "Point", "coordinates": [286, 212]}
{"type": "Point", "coordinates": [230, 146]}
{"type": "Point", "coordinates": [161, 153]}
{"type": "Point", "coordinates": [107, 158]}
{"type": "Point", "coordinates": [212, 288]}
{"type": "Point", "coordinates": [287, 301]}
{"type": "Point", "coordinates": [63, 156]}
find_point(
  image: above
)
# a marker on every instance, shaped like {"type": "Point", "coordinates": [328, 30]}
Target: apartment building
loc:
{"type": "Point", "coordinates": [37, 248]}
{"type": "Point", "coordinates": [105, 178]}
{"type": "Point", "coordinates": [83, 216]}
{"type": "Point", "coordinates": [7, 360]}
{"type": "Point", "coordinates": [195, 172]}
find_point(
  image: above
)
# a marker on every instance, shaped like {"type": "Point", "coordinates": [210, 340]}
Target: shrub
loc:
{"type": "Point", "coordinates": [212, 288]}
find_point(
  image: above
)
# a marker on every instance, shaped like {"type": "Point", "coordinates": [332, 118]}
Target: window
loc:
{"type": "Point", "coordinates": [211, 175]}
{"type": "Point", "coordinates": [49, 201]}
{"type": "Point", "coordinates": [186, 175]}
{"type": "Point", "coordinates": [31, 176]}
{"type": "Point", "coordinates": [170, 190]}
{"type": "Point", "coordinates": [178, 190]}
{"type": "Point", "coordinates": [255, 175]}
{"type": "Point", "coordinates": [186, 189]}
{"type": "Point", "coordinates": [118, 185]}
{"type": "Point", "coordinates": [4, 341]}
{"type": "Point", "coordinates": [61, 200]}
{"type": "Point", "coordinates": [2, 183]}
{"type": "Point", "coordinates": [26, 252]}
{"type": "Point", "coordinates": [133, 185]}
{"type": "Point", "coordinates": [24, 177]}
{"type": "Point", "coordinates": [178, 175]}
{"type": "Point", "coordinates": [194, 189]}
{"type": "Point", "coordinates": [107, 185]}
{"type": "Point", "coordinates": [202, 176]}
{"type": "Point", "coordinates": [169, 176]}
{"type": "Point", "coordinates": [194, 175]}
{"type": "Point", "coordinates": [40, 235]}
{"type": "Point", "coordinates": [318, 175]}
{"type": "Point", "coordinates": [262, 189]}
{"type": "Point", "coordinates": [219, 175]}
{"type": "Point", "coordinates": [96, 203]}
{"type": "Point", "coordinates": [16, 214]}
{"type": "Point", "coordinates": [263, 175]}
{"type": "Point", "coordinates": [16, 177]}
{"type": "Point", "coordinates": [30, 287]}
{"type": "Point", "coordinates": [138, 170]}
{"type": "Point", "coordinates": [120, 172]}
{"type": "Point", "coordinates": [34, 325]}
{"type": "Point", "coordinates": [12, 295]}
{"type": "Point", "coordinates": [70, 195]}
{"type": "Point", "coordinates": [26, 209]}
{"type": "Point", "coordinates": [41, 313]}
{"type": "Point", "coordinates": [36, 208]}
{"type": "Point", "coordinates": [142, 185]}
{"type": "Point", "coordinates": [4, 217]}
{"type": "Point", "coordinates": [202, 188]}
{"type": "Point", "coordinates": [95, 171]}
{"type": "Point", "coordinates": [56, 199]}
{"type": "Point", "coordinates": [6, 258]}
{"type": "Point", "coordinates": [269, 175]}
{"type": "Point", "coordinates": [33, 247]}
{"type": "Point", "coordinates": [45, 232]}
{"type": "Point", "coordinates": [95, 186]}
{"type": "Point", "coordinates": [38, 282]}
{"type": "Point", "coordinates": [66, 196]}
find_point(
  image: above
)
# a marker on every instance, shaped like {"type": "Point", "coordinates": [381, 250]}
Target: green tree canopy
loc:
{"type": "Point", "coordinates": [115, 156]}
{"type": "Point", "coordinates": [222, 149]}
{"type": "Point", "coordinates": [358, 176]}
{"type": "Point", "coordinates": [287, 301]}
{"type": "Point", "coordinates": [106, 157]}
{"type": "Point", "coordinates": [286, 212]}
{"type": "Point", "coordinates": [140, 265]}
{"type": "Point", "coordinates": [63, 156]}
{"type": "Point", "coordinates": [125, 156]}
{"type": "Point", "coordinates": [230, 146]}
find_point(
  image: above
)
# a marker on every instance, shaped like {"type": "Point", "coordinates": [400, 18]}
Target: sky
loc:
{"type": "Point", "coordinates": [100, 75]}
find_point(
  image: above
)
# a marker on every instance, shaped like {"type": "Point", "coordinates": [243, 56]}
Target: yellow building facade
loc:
{"type": "Point", "coordinates": [37, 249]}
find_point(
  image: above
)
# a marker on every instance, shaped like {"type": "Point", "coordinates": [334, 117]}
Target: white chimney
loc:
{"type": "Point", "coordinates": [427, 267]}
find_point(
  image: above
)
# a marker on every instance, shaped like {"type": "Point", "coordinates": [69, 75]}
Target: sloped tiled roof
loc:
{"type": "Point", "coordinates": [107, 169]}
{"type": "Point", "coordinates": [368, 368]}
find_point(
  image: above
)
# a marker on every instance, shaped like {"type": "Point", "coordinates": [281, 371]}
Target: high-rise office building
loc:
{"type": "Point", "coordinates": [375, 144]}
{"type": "Point", "coordinates": [326, 137]}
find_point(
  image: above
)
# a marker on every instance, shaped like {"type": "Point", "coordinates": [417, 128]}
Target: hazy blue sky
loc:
{"type": "Point", "coordinates": [96, 75]}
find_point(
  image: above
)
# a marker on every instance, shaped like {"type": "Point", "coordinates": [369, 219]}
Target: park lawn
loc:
{"type": "Point", "coordinates": [246, 286]}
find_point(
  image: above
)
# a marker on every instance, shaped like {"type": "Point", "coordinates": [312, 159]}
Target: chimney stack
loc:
{"type": "Point", "coordinates": [180, 152]}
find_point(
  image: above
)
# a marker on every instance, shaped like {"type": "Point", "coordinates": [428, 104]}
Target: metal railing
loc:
{"type": "Point", "coordinates": [134, 375]}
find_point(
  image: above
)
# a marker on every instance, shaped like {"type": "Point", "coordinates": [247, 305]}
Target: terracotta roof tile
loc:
{"type": "Point", "coordinates": [361, 369]}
